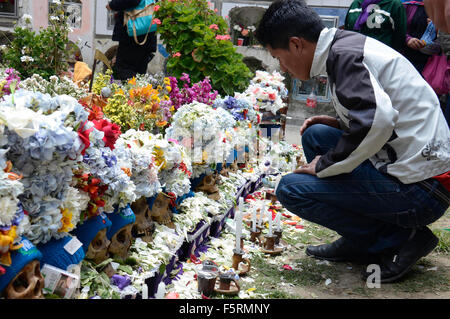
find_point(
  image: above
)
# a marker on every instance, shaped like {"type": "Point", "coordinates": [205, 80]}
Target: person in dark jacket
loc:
{"type": "Point", "coordinates": [131, 58]}
{"type": "Point", "coordinates": [415, 27]}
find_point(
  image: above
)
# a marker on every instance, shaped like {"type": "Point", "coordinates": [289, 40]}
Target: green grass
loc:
{"type": "Point", "coordinates": [443, 246]}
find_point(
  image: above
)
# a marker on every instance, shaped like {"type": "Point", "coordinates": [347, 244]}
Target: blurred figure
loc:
{"type": "Point", "coordinates": [131, 58]}
{"type": "Point", "coordinates": [416, 24]}
{"type": "Point", "coordinates": [384, 20]}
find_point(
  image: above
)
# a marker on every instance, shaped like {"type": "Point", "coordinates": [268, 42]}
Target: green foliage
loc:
{"type": "Point", "coordinates": [189, 30]}
{"type": "Point", "coordinates": [44, 52]}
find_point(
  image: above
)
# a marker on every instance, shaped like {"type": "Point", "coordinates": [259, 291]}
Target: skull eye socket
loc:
{"type": "Point", "coordinates": [121, 237]}
{"type": "Point", "coordinates": [21, 283]}
{"type": "Point", "coordinates": [97, 243]}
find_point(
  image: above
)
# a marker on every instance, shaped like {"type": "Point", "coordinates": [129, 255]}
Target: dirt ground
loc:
{"type": "Point", "coordinates": [310, 278]}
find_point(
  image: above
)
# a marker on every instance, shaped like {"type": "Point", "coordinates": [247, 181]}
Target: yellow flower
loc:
{"type": "Point", "coordinates": [167, 81]}
{"type": "Point", "coordinates": [66, 221]}
{"type": "Point", "coordinates": [168, 88]}
{"type": "Point", "coordinates": [132, 81]}
{"type": "Point", "coordinates": [159, 158]}
{"type": "Point", "coordinates": [7, 240]}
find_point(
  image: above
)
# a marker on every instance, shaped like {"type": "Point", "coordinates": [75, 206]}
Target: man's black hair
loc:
{"type": "Point", "coordinates": [285, 19]}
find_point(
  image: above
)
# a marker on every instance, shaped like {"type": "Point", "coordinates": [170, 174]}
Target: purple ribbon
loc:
{"type": "Point", "coordinates": [364, 14]}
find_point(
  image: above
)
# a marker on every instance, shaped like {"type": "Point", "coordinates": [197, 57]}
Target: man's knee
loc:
{"type": "Point", "coordinates": [314, 133]}
{"type": "Point", "coordinates": [289, 191]}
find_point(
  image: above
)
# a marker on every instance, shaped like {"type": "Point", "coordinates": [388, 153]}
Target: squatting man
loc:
{"type": "Point", "coordinates": [378, 173]}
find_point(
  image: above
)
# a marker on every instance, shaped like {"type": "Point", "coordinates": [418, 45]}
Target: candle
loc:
{"type": "Point", "coordinates": [261, 214]}
{"type": "Point", "coordinates": [238, 220]}
{"type": "Point", "coordinates": [269, 215]}
{"type": "Point", "coordinates": [254, 219]}
{"type": "Point", "coordinates": [144, 291]}
{"type": "Point", "coordinates": [278, 219]}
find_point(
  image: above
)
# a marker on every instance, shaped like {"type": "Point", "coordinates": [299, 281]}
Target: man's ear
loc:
{"type": "Point", "coordinates": [296, 44]}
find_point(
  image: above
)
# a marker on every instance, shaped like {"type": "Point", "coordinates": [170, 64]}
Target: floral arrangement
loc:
{"type": "Point", "coordinates": [141, 163]}
{"type": "Point", "coordinates": [200, 92]}
{"type": "Point", "coordinates": [266, 92]}
{"type": "Point", "coordinates": [198, 122]}
{"type": "Point", "coordinates": [44, 148]}
{"type": "Point", "coordinates": [241, 109]}
{"type": "Point", "coordinates": [11, 212]}
{"type": "Point", "coordinates": [170, 161]}
{"type": "Point", "coordinates": [54, 86]}
{"type": "Point", "coordinates": [110, 184]}
{"type": "Point", "coordinates": [133, 106]}
{"type": "Point", "coordinates": [281, 157]}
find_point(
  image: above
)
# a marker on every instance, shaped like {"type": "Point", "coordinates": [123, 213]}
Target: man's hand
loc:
{"type": "Point", "coordinates": [319, 119]}
{"type": "Point", "coordinates": [415, 44]}
{"type": "Point", "coordinates": [309, 168]}
{"type": "Point", "coordinates": [439, 12]}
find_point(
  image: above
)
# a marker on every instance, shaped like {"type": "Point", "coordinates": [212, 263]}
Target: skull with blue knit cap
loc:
{"type": "Point", "coordinates": [119, 233]}
{"type": "Point", "coordinates": [22, 279]}
{"type": "Point", "coordinates": [92, 234]}
{"type": "Point", "coordinates": [62, 253]}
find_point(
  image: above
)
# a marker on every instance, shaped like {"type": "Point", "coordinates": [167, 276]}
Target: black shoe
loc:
{"type": "Point", "coordinates": [341, 250]}
{"type": "Point", "coordinates": [394, 266]}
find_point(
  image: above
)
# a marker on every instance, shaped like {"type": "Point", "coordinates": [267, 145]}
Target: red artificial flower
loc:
{"type": "Point", "coordinates": [84, 137]}
{"type": "Point", "coordinates": [111, 130]}
{"type": "Point", "coordinates": [287, 267]}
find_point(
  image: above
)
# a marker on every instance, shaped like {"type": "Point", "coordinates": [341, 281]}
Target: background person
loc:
{"type": "Point", "coordinates": [131, 58]}
{"type": "Point", "coordinates": [384, 20]}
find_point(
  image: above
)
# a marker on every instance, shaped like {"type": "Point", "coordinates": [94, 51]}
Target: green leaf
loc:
{"type": "Point", "coordinates": [162, 269]}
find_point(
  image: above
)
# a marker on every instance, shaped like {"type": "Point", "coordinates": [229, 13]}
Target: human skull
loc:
{"type": "Point", "coordinates": [144, 226]}
{"type": "Point", "coordinates": [27, 284]}
{"type": "Point", "coordinates": [121, 242]}
{"type": "Point", "coordinates": [224, 170]}
{"type": "Point", "coordinates": [234, 167]}
{"type": "Point", "coordinates": [98, 249]}
{"type": "Point", "coordinates": [209, 187]}
{"type": "Point", "coordinates": [161, 212]}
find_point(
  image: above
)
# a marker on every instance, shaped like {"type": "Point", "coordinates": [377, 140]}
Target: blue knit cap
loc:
{"type": "Point", "coordinates": [54, 253]}
{"type": "Point", "coordinates": [120, 218]}
{"type": "Point", "coordinates": [87, 231]}
{"type": "Point", "coordinates": [19, 259]}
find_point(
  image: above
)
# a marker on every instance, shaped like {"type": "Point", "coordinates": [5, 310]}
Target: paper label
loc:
{"type": "Point", "coordinates": [59, 282]}
{"type": "Point", "coordinates": [73, 245]}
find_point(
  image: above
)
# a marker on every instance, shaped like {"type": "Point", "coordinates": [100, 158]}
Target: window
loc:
{"type": "Point", "coordinates": [8, 8]}
{"type": "Point", "coordinates": [73, 11]}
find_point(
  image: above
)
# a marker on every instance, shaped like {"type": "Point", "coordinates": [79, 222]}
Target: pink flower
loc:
{"type": "Point", "coordinates": [223, 37]}
{"type": "Point", "coordinates": [214, 26]}
{"type": "Point", "coordinates": [156, 21]}
{"type": "Point", "coordinates": [156, 8]}
{"type": "Point", "coordinates": [176, 55]}
{"type": "Point", "coordinates": [215, 10]}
